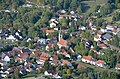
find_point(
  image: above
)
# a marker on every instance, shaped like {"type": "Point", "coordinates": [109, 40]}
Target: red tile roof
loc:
{"type": "Point", "coordinates": [118, 66]}
{"type": "Point", "coordinates": [36, 52]}
{"type": "Point", "coordinates": [43, 58]}
{"type": "Point", "coordinates": [96, 36]}
{"type": "Point", "coordinates": [100, 62]}
{"type": "Point", "coordinates": [50, 45]}
{"type": "Point", "coordinates": [65, 62]}
{"type": "Point", "coordinates": [100, 32]}
{"type": "Point", "coordinates": [49, 31]}
{"type": "Point", "coordinates": [63, 42]}
{"type": "Point", "coordinates": [102, 45]}
{"type": "Point", "coordinates": [87, 57]}
{"type": "Point", "coordinates": [44, 54]}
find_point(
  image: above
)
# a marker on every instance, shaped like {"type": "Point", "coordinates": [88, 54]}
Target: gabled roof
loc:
{"type": "Point", "coordinates": [63, 42]}
{"type": "Point", "coordinates": [87, 57]}
{"type": "Point", "coordinates": [102, 45]}
{"type": "Point", "coordinates": [118, 66]}
{"type": "Point", "coordinates": [36, 52]}
{"type": "Point", "coordinates": [24, 55]}
{"type": "Point", "coordinates": [100, 32]}
{"type": "Point", "coordinates": [107, 36]}
{"type": "Point", "coordinates": [43, 58]}
{"type": "Point", "coordinates": [50, 45]}
{"type": "Point", "coordinates": [100, 62]}
{"type": "Point", "coordinates": [44, 54]}
{"type": "Point", "coordinates": [96, 36]}
{"type": "Point", "coordinates": [49, 31]}
{"type": "Point", "coordinates": [26, 51]}
{"type": "Point", "coordinates": [65, 62]}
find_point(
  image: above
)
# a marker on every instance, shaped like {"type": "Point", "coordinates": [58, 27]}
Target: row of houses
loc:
{"type": "Point", "coordinates": [89, 59]}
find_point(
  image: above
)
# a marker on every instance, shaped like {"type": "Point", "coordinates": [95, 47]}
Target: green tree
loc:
{"type": "Point", "coordinates": [46, 65]}
{"type": "Point", "coordinates": [79, 9]}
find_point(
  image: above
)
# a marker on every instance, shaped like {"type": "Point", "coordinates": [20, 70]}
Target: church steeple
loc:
{"type": "Point", "coordinates": [60, 34]}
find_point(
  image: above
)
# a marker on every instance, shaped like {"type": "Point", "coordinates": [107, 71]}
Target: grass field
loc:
{"type": "Point", "coordinates": [88, 4]}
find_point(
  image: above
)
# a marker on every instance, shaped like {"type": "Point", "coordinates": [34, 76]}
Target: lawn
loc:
{"type": "Point", "coordinates": [88, 4]}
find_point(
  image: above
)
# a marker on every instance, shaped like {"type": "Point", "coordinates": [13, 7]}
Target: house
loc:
{"type": "Point", "coordinates": [103, 29]}
{"type": "Point", "coordinates": [57, 76]}
{"type": "Point", "coordinates": [2, 45]}
{"type": "Point", "coordinates": [107, 36]}
{"type": "Point", "coordinates": [49, 32]}
{"type": "Point", "coordinates": [82, 28]}
{"type": "Point", "coordinates": [93, 28]}
{"type": "Point", "coordinates": [86, 59]}
{"type": "Point", "coordinates": [97, 38]}
{"type": "Point", "coordinates": [44, 56]}
{"type": "Point", "coordinates": [65, 62]}
{"type": "Point", "coordinates": [63, 11]}
{"type": "Point", "coordinates": [36, 53]}
{"type": "Point", "coordinates": [100, 63]}
{"type": "Point", "coordinates": [26, 50]}
{"type": "Point", "coordinates": [114, 31]}
{"type": "Point", "coordinates": [65, 53]}
{"type": "Point", "coordinates": [47, 74]}
{"type": "Point", "coordinates": [117, 67]}
{"type": "Point", "coordinates": [100, 33]}
{"type": "Point", "coordinates": [49, 46]}
{"type": "Point", "coordinates": [18, 59]}
{"type": "Point", "coordinates": [29, 39]}
{"type": "Point", "coordinates": [93, 62]}
{"type": "Point", "coordinates": [42, 41]}
{"type": "Point", "coordinates": [109, 27]}
{"type": "Point", "coordinates": [62, 43]}
{"type": "Point", "coordinates": [12, 38]}
{"type": "Point", "coordinates": [52, 25]}
{"type": "Point", "coordinates": [23, 55]}
{"type": "Point", "coordinates": [55, 60]}
{"type": "Point", "coordinates": [72, 12]}
{"type": "Point", "coordinates": [102, 45]}
{"type": "Point", "coordinates": [6, 58]}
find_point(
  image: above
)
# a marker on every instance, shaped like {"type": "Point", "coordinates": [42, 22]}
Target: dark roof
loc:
{"type": "Point", "coordinates": [107, 36]}
{"type": "Point", "coordinates": [1, 45]}
{"type": "Point", "coordinates": [26, 51]}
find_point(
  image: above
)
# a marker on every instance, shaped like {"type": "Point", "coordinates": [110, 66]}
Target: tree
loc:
{"type": "Point", "coordinates": [66, 4]}
{"type": "Point", "coordinates": [79, 9]}
{"type": "Point", "coordinates": [60, 4]}
{"type": "Point", "coordinates": [72, 27]}
{"type": "Point", "coordinates": [46, 65]}
{"type": "Point", "coordinates": [73, 4]}
{"type": "Point", "coordinates": [16, 74]}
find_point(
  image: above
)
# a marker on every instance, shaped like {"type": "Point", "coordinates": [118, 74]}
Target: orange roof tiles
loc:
{"type": "Point", "coordinates": [44, 54]}
{"type": "Point", "coordinates": [65, 62]}
{"type": "Point", "coordinates": [87, 57]}
{"type": "Point", "coordinates": [102, 45]}
{"type": "Point", "coordinates": [63, 42]}
{"type": "Point", "coordinates": [100, 32]}
{"type": "Point", "coordinates": [100, 62]}
{"type": "Point", "coordinates": [96, 36]}
{"type": "Point", "coordinates": [50, 45]}
{"type": "Point", "coordinates": [43, 58]}
{"type": "Point", "coordinates": [49, 31]}
{"type": "Point", "coordinates": [36, 52]}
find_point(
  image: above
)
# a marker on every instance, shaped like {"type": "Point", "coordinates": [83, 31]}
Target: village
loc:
{"type": "Point", "coordinates": [56, 51]}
